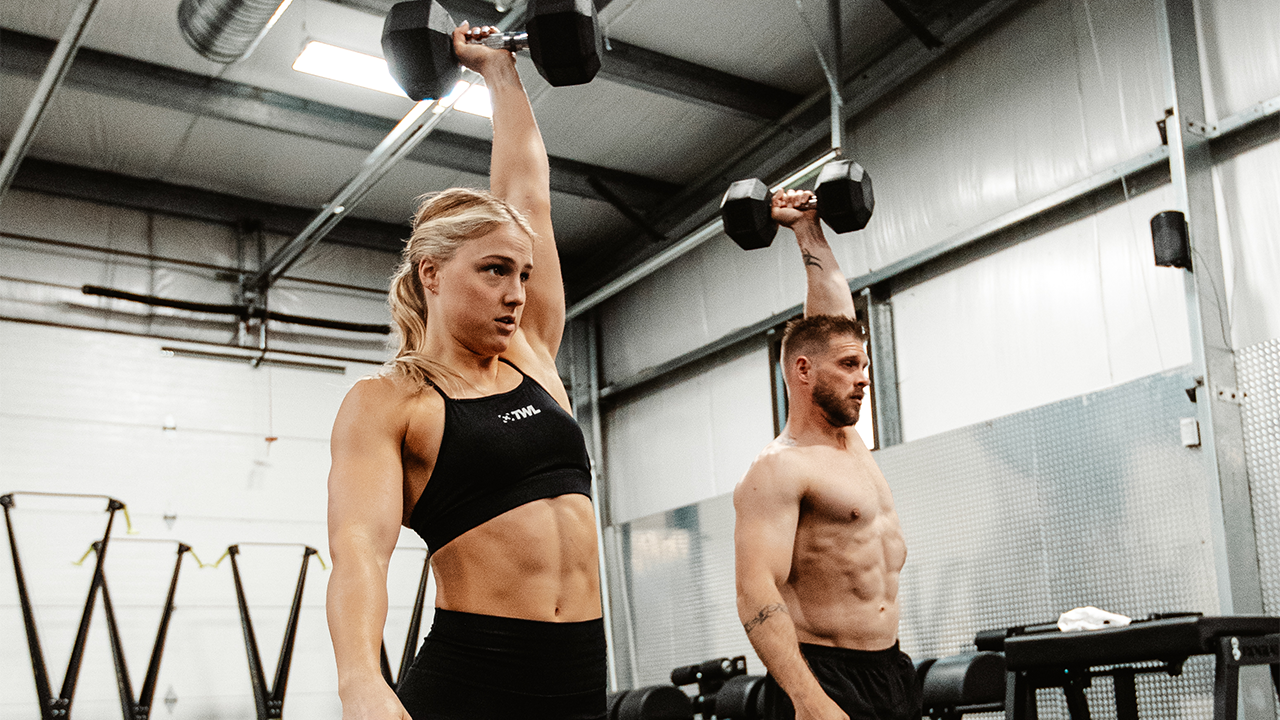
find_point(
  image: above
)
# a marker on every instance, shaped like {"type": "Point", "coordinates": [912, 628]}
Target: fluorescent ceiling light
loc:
{"type": "Point", "coordinates": [348, 66]}
{"type": "Point", "coordinates": [367, 71]}
{"type": "Point", "coordinates": [467, 98]}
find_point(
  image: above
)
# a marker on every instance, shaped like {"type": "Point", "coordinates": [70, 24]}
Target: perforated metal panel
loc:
{"type": "Point", "coordinates": [1088, 501]}
{"type": "Point", "coordinates": [1258, 372]}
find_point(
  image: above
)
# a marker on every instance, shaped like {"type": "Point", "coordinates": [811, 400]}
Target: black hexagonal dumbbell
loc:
{"type": "Point", "coordinates": [563, 40]}
{"type": "Point", "coordinates": [843, 197]}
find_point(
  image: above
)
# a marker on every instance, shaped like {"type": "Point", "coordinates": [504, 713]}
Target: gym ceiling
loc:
{"type": "Point", "coordinates": [692, 94]}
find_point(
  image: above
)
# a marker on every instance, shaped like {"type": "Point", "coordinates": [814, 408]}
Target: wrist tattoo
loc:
{"type": "Point", "coordinates": [810, 259]}
{"type": "Point", "coordinates": [765, 613]}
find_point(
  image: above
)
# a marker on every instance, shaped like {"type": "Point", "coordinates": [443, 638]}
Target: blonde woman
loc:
{"type": "Point", "coordinates": [467, 439]}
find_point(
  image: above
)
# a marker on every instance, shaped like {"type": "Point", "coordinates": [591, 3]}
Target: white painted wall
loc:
{"type": "Point", "coordinates": [84, 412]}
{"type": "Point", "coordinates": [1078, 309]}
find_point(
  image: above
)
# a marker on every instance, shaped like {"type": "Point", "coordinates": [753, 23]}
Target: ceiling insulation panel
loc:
{"type": "Point", "coordinates": [612, 125]}
{"type": "Point", "coordinates": [92, 131]}
{"type": "Point", "coordinates": [274, 167]}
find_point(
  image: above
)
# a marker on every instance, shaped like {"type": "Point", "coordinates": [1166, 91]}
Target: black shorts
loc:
{"type": "Point", "coordinates": [868, 685]}
{"type": "Point", "coordinates": [482, 667]}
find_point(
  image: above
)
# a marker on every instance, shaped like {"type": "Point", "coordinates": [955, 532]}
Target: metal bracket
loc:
{"type": "Point", "coordinates": [1201, 129]}
{"type": "Point", "coordinates": [1230, 394]}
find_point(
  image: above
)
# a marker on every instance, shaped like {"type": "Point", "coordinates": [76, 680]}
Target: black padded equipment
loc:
{"type": "Point", "coordinates": [655, 702]}
{"type": "Point", "coordinates": [740, 698]}
{"type": "Point", "coordinates": [844, 201]}
{"type": "Point", "coordinates": [563, 39]}
{"type": "Point", "coordinates": [961, 683]}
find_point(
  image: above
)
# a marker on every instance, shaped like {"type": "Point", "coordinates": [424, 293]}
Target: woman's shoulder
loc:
{"type": "Point", "coordinates": [385, 393]}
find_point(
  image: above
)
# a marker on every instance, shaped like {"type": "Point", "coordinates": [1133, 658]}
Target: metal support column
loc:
{"type": "Point", "coordinates": [1217, 397]}
{"type": "Point", "coordinates": [884, 368]}
{"type": "Point", "coordinates": [584, 380]}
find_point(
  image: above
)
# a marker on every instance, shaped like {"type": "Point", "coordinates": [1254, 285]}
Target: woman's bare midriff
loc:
{"type": "Point", "coordinates": [535, 562]}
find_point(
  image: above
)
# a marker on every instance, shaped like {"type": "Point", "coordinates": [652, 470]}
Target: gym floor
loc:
{"type": "Point", "coordinates": [1031, 362]}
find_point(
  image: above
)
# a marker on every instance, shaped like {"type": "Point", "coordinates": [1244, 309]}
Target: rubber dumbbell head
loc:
{"type": "Point", "coordinates": [418, 45]}
{"type": "Point", "coordinates": [747, 216]}
{"type": "Point", "coordinates": [564, 40]}
{"type": "Point", "coordinates": [844, 195]}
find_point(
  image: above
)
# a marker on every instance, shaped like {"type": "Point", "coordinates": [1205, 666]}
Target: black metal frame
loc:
{"type": "Point", "coordinates": [1231, 652]}
{"type": "Point", "coordinates": [411, 637]}
{"type": "Point", "coordinates": [58, 708]}
{"type": "Point", "coordinates": [139, 708]}
{"type": "Point", "coordinates": [269, 700]}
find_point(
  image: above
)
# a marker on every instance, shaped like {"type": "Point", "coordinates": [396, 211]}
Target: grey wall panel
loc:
{"type": "Point", "coordinates": [690, 440]}
{"type": "Point", "coordinates": [1241, 41]}
{"type": "Point", "coordinates": [1259, 375]}
{"type": "Point", "coordinates": [679, 574]}
{"type": "Point", "coordinates": [1092, 500]}
{"type": "Point", "coordinates": [1249, 221]}
{"type": "Point", "coordinates": [1077, 309]}
{"type": "Point", "coordinates": [1088, 501]}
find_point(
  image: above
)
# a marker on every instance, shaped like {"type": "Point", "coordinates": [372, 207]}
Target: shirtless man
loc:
{"type": "Point", "coordinates": [817, 540]}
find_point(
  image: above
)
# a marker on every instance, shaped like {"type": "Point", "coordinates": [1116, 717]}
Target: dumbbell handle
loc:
{"type": "Point", "coordinates": [505, 41]}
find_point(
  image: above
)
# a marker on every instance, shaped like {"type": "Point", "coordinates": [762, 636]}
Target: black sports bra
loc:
{"type": "Point", "coordinates": [497, 453]}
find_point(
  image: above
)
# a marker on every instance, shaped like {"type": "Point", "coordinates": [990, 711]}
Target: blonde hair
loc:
{"type": "Point", "coordinates": [443, 222]}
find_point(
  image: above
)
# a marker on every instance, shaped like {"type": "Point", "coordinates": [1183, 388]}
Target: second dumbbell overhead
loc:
{"type": "Point", "coordinates": [843, 197]}
{"type": "Point", "coordinates": [562, 38]}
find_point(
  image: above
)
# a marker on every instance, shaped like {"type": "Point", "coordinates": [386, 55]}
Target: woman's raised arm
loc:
{"type": "Point", "coordinates": [520, 174]}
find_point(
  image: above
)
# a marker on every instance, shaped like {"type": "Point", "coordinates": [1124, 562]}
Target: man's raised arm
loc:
{"type": "Point", "coordinates": [767, 509]}
{"type": "Point", "coordinates": [828, 292]}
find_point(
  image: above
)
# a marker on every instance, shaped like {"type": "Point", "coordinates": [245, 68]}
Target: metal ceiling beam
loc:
{"type": "Point", "coordinates": [654, 72]}
{"type": "Point", "coordinates": [119, 190]}
{"type": "Point", "coordinates": [159, 86]}
{"type": "Point", "coordinates": [645, 70]}
{"type": "Point", "coordinates": [55, 71]}
{"type": "Point", "coordinates": [796, 139]}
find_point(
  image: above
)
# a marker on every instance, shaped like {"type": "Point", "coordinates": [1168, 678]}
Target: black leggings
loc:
{"type": "Point", "coordinates": [482, 667]}
{"type": "Point", "coordinates": [866, 684]}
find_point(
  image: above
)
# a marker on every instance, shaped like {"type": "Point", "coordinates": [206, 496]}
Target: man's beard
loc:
{"type": "Point", "coordinates": [840, 411]}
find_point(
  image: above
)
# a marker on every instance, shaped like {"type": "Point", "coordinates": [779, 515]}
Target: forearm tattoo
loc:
{"type": "Point", "coordinates": [765, 613]}
{"type": "Point", "coordinates": [810, 259]}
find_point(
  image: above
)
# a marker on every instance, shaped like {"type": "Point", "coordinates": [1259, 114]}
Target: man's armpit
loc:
{"type": "Point", "coordinates": [765, 613]}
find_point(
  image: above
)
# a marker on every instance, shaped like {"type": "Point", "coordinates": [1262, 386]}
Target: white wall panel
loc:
{"type": "Point", "coordinates": [1078, 309]}
{"type": "Point", "coordinates": [1249, 221]}
{"type": "Point", "coordinates": [84, 412]}
{"type": "Point", "coordinates": [687, 441]}
{"type": "Point", "coordinates": [1242, 53]}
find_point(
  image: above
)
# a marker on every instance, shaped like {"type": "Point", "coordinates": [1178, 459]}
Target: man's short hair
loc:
{"type": "Point", "coordinates": [812, 335]}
